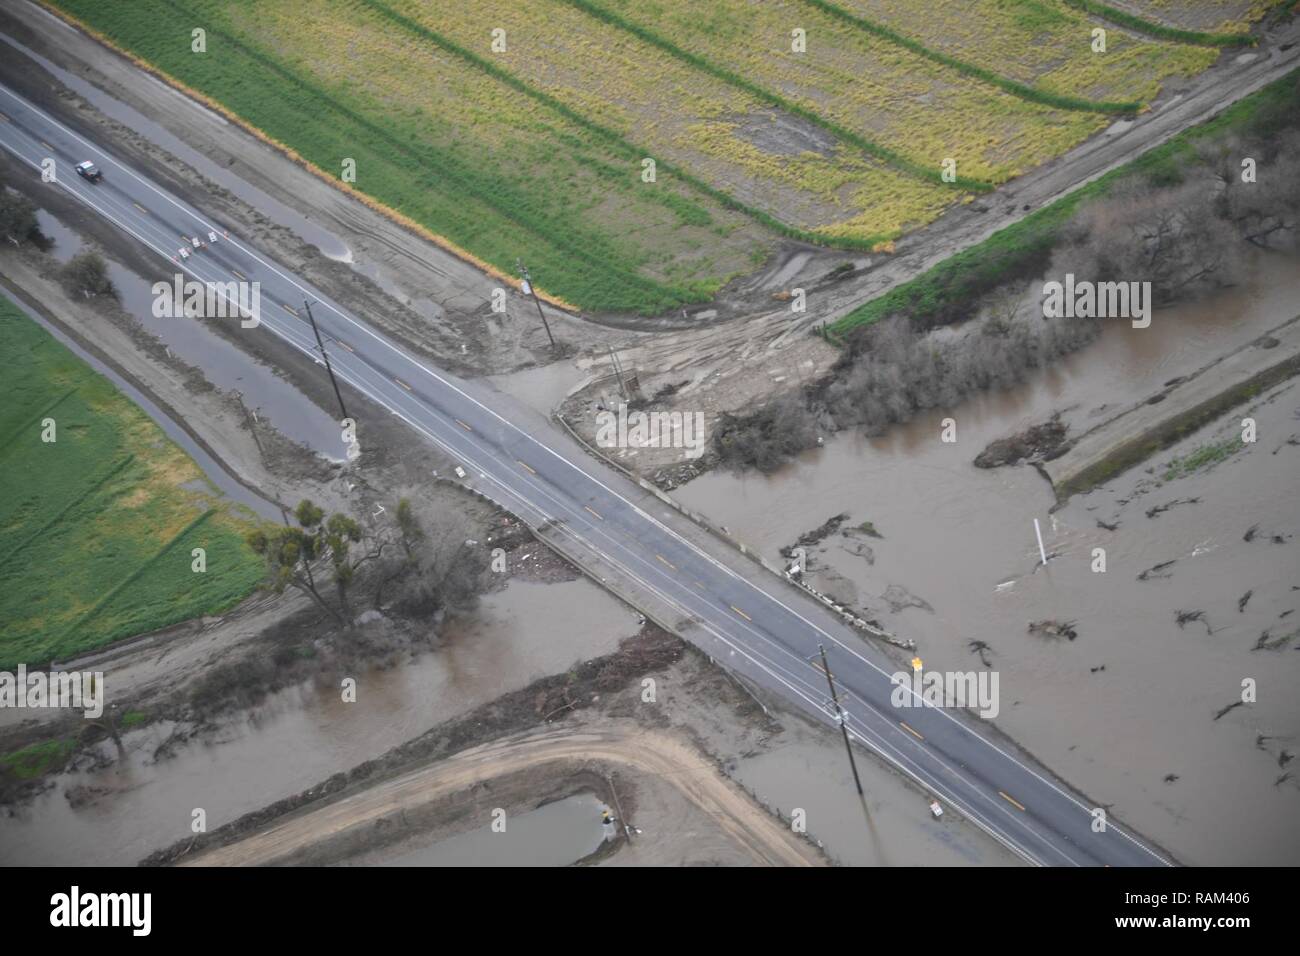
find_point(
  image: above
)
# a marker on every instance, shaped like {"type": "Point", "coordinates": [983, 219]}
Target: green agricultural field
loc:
{"type": "Point", "coordinates": [97, 527]}
{"type": "Point", "coordinates": [519, 130]}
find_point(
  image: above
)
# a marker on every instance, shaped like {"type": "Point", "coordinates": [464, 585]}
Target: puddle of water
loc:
{"type": "Point", "coordinates": [303, 735]}
{"type": "Point", "coordinates": [67, 243]}
{"type": "Point", "coordinates": [555, 834]}
{"type": "Point", "coordinates": [230, 368]}
{"type": "Point", "coordinates": [541, 388]}
{"type": "Point", "coordinates": [963, 540]}
{"type": "Point", "coordinates": [328, 243]}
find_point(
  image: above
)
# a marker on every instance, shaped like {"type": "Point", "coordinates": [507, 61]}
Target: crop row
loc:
{"type": "Point", "coordinates": [1045, 45]}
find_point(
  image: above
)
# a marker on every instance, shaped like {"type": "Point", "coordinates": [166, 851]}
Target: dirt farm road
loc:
{"type": "Point", "coordinates": [763, 836]}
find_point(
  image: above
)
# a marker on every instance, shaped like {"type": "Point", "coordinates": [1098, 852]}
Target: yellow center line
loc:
{"type": "Point", "coordinates": [1015, 803]}
{"type": "Point", "coordinates": [463, 425]}
{"type": "Point", "coordinates": [531, 471]}
{"type": "Point", "coordinates": [288, 308]}
{"type": "Point", "coordinates": [666, 561]}
{"type": "Point", "coordinates": [589, 508]}
{"type": "Point", "coordinates": [919, 737]}
{"type": "Point", "coordinates": [741, 613]}
{"type": "Point", "coordinates": [403, 384]}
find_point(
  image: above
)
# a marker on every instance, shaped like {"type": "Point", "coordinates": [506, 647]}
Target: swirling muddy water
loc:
{"type": "Point", "coordinates": [303, 735]}
{"type": "Point", "coordinates": [1141, 733]}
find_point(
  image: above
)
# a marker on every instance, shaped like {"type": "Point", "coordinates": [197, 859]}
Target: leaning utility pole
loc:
{"type": "Point", "coordinates": [529, 290]}
{"type": "Point", "coordinates": [839, 716]}
{"type": "Point", "coordinates": [618, 372]}
{"type": "Point", "coordinates": [321, 345]}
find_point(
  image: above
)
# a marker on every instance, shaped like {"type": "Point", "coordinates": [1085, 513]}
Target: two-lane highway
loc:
{"type": "Point", "coordinates": [752, 623]}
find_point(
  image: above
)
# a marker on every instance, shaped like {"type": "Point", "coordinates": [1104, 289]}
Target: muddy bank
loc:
{"type": "Point", "coordinates": [540, 702]}
{"type": "Point", "coordinates": [1036, 443]}
{"type": "Point", "coordinates": [239, 758]}
{"type": "Point", "coordinates": [506, 779]}
{"type": "Point", "coordinates": [1180, 408]}
{"type": "Point", "coordinates": [659, 764]}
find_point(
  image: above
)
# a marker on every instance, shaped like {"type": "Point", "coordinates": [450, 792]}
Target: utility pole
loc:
{"type": "Point", "coordinates": [528, 288]}
{"type": "Point", "coordinates": [1041, 550]}
{"type": "Point", "coordinates": [328, 368]}
{"type": "Point", "coordinates": [618, 372]}
{"type": "Point", "coordinates": [839, 716]}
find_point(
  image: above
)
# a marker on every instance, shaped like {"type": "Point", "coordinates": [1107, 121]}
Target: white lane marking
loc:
{"type": "Point", "coordinates": [633, 507]}
{"type": "Point", "coordinates": [925, 776]}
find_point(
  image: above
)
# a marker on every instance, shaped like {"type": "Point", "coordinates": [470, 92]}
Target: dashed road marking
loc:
{"type": "Point", "coordinates": [403, 384]}
{"type": "Point", "coordinates": [288, 308]}
{"type": "Point", "coordinates": [593, 511]}
{"type": "Point", "coordinates": [240, 274]}
{"type": "Point", "coordinates": [1011, 800]}
{"type": "Point", "coordinates": [918, 736]}
{"type": "Point", "coordinates": [666, 561]}
{"type": "Point", "coordinates": [741, 613]}
{"type": "Point", "coordinates": [138, 206]}
{"type": "Point", "coordinates": [531, 470]}
{"type": "Point", "coordinates": [463, 425]}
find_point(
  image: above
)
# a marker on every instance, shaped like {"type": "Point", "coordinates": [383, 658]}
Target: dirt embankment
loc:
{"type": "Point", "coordinates": [520, 772]}
{"type": "Point", "coordinates": [591, 728]}
{"type": "Point", "coordinates": [1184, 405]}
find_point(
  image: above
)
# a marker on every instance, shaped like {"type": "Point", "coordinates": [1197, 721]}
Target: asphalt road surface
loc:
{"type": "Point", "coordinates": [748, 620]}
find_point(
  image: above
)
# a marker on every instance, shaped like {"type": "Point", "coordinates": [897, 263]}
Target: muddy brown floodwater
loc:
{"type": "Point", "coordinates": [301, 736]}
{"type": "Point", "coordinates": [555, 834]}
{"type": "Point", "coordinates": [1127, 711]}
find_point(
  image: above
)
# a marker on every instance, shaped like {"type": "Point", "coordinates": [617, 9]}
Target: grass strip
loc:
{"type": "Point", "coordinates": [1159, 30]}
{"type": "Point", "coordinates": [1024, 91]}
